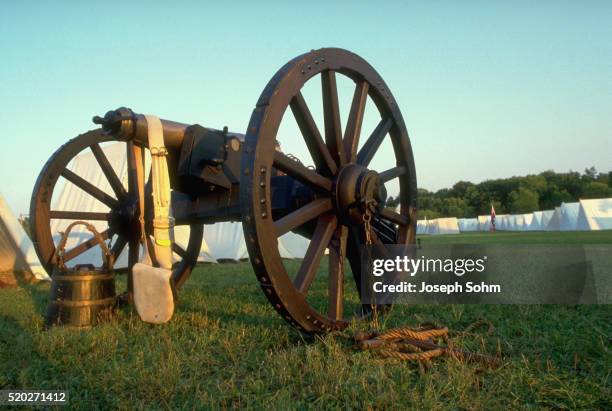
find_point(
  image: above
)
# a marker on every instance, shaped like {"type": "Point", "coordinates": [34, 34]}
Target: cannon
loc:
{"type": "Point", "coordinates": [338, 202]}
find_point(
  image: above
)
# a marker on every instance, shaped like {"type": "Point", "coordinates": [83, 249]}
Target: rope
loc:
{"type": "Point", "coordinates": [415, 333]}
{"type": "Point", "coordinates": [417, 344]}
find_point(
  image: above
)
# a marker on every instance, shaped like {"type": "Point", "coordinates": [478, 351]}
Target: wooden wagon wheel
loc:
{"type": "Point", "coordinates": [345, 188]}
{"type": "Point", "coordinates": [123, 227]}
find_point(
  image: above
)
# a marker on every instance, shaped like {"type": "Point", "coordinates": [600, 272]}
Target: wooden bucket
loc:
{"type": "Point", "coordinates": [84, 295]}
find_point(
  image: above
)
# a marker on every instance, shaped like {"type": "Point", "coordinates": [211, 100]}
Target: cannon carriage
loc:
{"type": "Point", "coordinates": [338, 203]}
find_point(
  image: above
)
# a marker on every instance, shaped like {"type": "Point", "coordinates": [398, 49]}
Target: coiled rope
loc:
{"type": "Point", "coordinates": [418, 344]}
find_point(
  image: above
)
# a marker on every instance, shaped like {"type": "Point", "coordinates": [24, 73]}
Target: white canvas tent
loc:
{"type": "Point", "coordinates": [17, 253]}
{"type": "Point", "coordinates": [519, 222]}
{"type": "Point", "coordinates": [555, 220]}
{"type": "Point", "coordinates": [595, 214]}
{"type": "Point", "coordinates": [512, 222]}
{"type": "Point", "coordinates": [422, 226]}
{"type": "Point", "coordinates": [527, 219]}
{"type": "Point", "coordinates": [536, 221]}
{"type": "Point", "coordinates": [181, 237]}
{"type": "Point", "coordinates": [443, 226]}
{"type": "Point", "coordinates": [467, 224]}
{"type": "Point", "coordinates": [226, 242]}
{"type": "Point", "coordinates": [547, 215]}
{"type": "Point", "coordinates": [484, 223]}
{"type": "Point", "coordinates": [501, 222]}
{"type": "Point", "coordinates": [569, 216]}
{"type": "Point", "coordinates": [293, 245]}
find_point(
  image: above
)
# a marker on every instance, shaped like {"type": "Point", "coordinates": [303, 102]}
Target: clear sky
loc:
{"type": "Point", "coordinates": [487, 89]}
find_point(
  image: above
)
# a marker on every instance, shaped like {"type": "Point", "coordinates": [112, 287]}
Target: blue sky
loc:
{"type": "Point", "coordinates": [487, 89]}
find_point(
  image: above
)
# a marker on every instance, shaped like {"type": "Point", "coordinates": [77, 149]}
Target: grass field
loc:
{"type": "Point", "coordinates": [226, 347]}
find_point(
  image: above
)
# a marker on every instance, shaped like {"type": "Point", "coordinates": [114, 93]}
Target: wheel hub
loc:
{"type": "Point", "coordinates": [359, 191]}
{"type": "Point", "coordinates": [124, 220]}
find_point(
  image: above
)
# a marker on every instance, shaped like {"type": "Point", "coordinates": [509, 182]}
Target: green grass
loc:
{"type": "Point", "coordinates": [226, 347]}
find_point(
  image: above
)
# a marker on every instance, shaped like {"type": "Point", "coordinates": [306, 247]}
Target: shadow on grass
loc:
{"type": "Point", "coordinates": [18, 353]}
{"type": "Point", "coordinates": [40, 295]}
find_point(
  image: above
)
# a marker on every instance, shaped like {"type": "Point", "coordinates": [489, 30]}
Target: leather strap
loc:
{"type": "Point", "coordinates": [163, 223]}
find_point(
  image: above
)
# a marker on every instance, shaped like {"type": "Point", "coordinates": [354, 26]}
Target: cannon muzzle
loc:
{"type": "Point", "coordinates": [111, 122]}
{"type": "Point", "coordinates": [124, 124]}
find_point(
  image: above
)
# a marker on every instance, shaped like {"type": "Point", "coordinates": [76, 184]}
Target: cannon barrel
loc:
{"type": "Point", "coordinates": [127, 125]}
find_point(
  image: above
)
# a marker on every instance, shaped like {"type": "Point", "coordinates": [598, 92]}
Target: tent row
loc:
{"type": "Point", "coordinates": [585, 215]}
{"type": "Point", "coordinates": [437, 226]}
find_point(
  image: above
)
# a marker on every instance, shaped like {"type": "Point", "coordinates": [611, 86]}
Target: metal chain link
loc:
{"type": "Point", "coordinates": [367, 228]}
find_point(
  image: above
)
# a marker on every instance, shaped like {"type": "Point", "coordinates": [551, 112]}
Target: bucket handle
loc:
{"type": "Point", "coordinates": [107, 257]}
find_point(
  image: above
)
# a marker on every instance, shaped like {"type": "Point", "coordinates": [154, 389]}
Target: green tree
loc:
{"type": "Point", "coordinates": [523, 200]}
{"type": "Point", "coordinates": [596, 190]}
{"type": "Point", "coordinates": [461, 188]}
{"type": "Point", "coordinates": [456, 207]}
{"type": "Point", "coordinates": [554, 196]}
{"type": "Point", "coordinates": [392, 202]}
{"type": "Point", "coordinates": [535, 183]}
{"type": "Point", "coordinates": [590, 173]}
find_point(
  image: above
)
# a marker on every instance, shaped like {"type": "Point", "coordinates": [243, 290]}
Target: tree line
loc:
{"type": "Point", "coordinates": [513, 195]}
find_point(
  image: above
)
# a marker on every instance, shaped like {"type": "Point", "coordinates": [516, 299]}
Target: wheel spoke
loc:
{"type": "Point", "coordinates": [108, 171]}
{"type": "Point", "coordinates": [133, 252]}
{"type": "Point", "coordinates": [84, 246]}
{"type": "Point", "coordinates": [302, 215]}
{"type": "Point", "coordinates": [385, 230]}
{"type": "Point", "coordinates": [301, 173]}
{"type": "Point", "coordinates": [118, 247]}
{"type": "Point", "coordinates": [355, 120]}
{"type": "Point", "coordinates": [366, 154]}
{"type": "Point", "coordinates": [133, 256]}
{"type": "Point", "coordinates": [331, 116]}
{"type": "Point", "coordinates": [135, 170]}
{"type": "Point", "coordinates": [90, 189]}
{"type": "Point", "coordinates": [136, 192]}
{"type": "Point", "coordinates": [394, 217]}
{"type": "Point", "coordinates": [353, 253]}
{"type": "Point", "coordinates": [392, 173]}
{"type": "Point", "coordinates": [337, 252]}
{"type": "Point", "coordinates": [326, 225]}
{"type": "Point", "coordinates": [78, 215]}
{"type": "Point", "coordinates": [380, 246]}
{"type": "Point", "coordinates": [179, 250]}
{"type": "Point", "coordinates": [316, 146]}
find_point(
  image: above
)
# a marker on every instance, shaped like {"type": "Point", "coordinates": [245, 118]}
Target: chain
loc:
{"type": "Point", "coordinates": [367, 227]}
